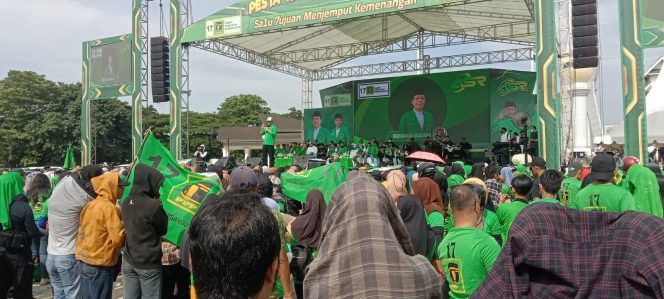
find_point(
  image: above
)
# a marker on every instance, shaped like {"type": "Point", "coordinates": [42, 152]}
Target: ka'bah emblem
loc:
{"type": "Point", "coordinates": [510, 85]}
{"type": "Point", "coordinates": [454, 272]}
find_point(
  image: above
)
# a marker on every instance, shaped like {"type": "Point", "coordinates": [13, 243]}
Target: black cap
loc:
{"type": "Point", "coordinates": [539, 162]}
{"type": "Point", "coordinates": [573, 169]}
{"type": "Point", "coordinates": [602, 168]}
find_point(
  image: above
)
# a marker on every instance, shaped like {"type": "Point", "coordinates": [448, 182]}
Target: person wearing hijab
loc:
{"type": "Point", "coordinates": [413, 216]}
{"type": "Point", "coordinates": [507, 174]}
{"type": "Point", "coordinates": [38, 193]}
{"type": "Point", "coordinates": [365, 249]}
{"type": "Point", "coordinates": [456, 176]}
{"type": "Point", "coordinates": [643, 184]}
{"type": "Point", "coordinates": [18, 222]}
{"type": "Point", "coordinates": [428, 193]}
{"type": "Point", "coordinates": [396, 185]}
{"type": "Point", "coordinates": [305, 232]}
{"type": "Point", "coordinates": [477, 171]}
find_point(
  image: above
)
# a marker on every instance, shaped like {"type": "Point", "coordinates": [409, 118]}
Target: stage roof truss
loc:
{"type": "Point", "coordinates": [314, 52]}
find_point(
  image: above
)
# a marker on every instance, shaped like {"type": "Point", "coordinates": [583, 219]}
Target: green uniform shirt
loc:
{"type": "Point", "coordinates": [604, 197]}
{"type": "Point", "coordinates": [435, 219]}
{"type": "Point", "coordinates": [270, 132]}
{"type": "Point", "coordinates": [506, 214]}
{"type": "Point", "coordinates": [342, 136]}
{"type": "Point", "coordinates": [373, 150]}
{"type": "Point", "coordinates": [568, 191]}
{"type": "Point", "coordinates": [409, 123]}
{"type": "Point", "coordinates": [549, 200]}
{"type": "Point", "coordinates": [467, 255]}
{"type": "Point", "coordinates": [39, 208]}
{"type": "Point", "coordinates": [491, 223]}
{"type": "Point", "coordinates": [322, 137]}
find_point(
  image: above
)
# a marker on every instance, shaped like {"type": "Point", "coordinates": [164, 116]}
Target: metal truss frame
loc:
{"type": "Point", "coordinates": [427, 63]}
{"type": "Point", "coordinates": [186, 19]}
{"type": "Point", "coordinates": [429, 40]}
{"type": "Point", "coordinates": [145, 58]}
{"type": "Point", "coordinates": [255, 58]}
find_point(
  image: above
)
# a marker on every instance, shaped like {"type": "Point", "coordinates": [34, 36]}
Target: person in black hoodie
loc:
{"type": "Point", "coordinates": [145, 222]}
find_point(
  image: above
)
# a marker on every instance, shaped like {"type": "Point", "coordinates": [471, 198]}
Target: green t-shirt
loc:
{"type": "Point", "coordinates": [467, 255]}
{"type": "Point", "coordinates": [373, 149]}
{"type": "Point", "coordinates": [436, 219]}
{"type": "Point", "coordinates": [491, 223]}
{"type": "Point", "coordinates": [39, 209]}
{"type": "Point", "coordinates": [604, 197]}
{"type": "Point", "coordinates": [568, 191]}
{"type": "Point", "coordinates": [270, 132]}
{"type": "Point", "coordinates": [506, 214]}
{"type": "Point", "coordinates": [549, 200]}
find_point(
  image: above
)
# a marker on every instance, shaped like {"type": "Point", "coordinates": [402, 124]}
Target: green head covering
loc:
{"type": "Point", "coordinates": [467, 169]}
{"type": "Point", "coordinates": [643, 185]}
{"type": "Point", "coordinates": [506, 190]}
{"type": "Point", "coordinates": [11, 185]}
{"type": "Point", "coordinates": [454, 180]}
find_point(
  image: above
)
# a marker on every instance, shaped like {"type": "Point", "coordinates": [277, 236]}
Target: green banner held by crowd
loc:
{"type": "Point", "coordinates": [69, 163]}
{"type": "Point", "coordinates": [182, 192]}
{"type": "Point", "coordinates": [326, 179]}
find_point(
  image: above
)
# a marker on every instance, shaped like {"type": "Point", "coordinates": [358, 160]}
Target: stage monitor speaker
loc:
{"type": "Point", "coordinates": [301, 161]}
{"type": "Point", "coordinates": [313, 163]}
{"type": "Point", "coordinates": [253, 161]}
{"type": "Point", "coordinates": [227, 163]}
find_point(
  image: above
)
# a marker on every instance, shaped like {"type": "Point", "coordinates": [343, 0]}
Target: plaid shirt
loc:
{"type": "Point", "coordinates": [494, 191]}
{"type": "Point", "coordinates": [170, 253]}
{"type": "Point", "coordinates": [558, 252]}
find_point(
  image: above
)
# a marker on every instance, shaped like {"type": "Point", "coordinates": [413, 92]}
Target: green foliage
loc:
{"type": "Point", "coordinates": [242, 110]}
{"type": "Point", "coordinates": [294, 113]}
{"type": "Point", "coordinates": [40, 119]}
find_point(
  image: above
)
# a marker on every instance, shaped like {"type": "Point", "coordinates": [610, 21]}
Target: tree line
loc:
{"type": "Point", "coordinates": [40, 119]}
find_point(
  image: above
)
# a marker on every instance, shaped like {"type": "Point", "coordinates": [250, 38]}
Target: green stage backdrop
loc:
{"type": "Point", "coordinates": [327, 131]}
{"type": "Point", "coordinates": [470, 104]}
{"type": "Point", "coordinates": [456, 101]}
{"type": "Point", "coordinates": [512, 101]}
{"type": "Point", "coordinates": [250, 16]}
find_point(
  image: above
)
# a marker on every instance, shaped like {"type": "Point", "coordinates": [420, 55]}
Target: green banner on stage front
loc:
{"type": "Point", "coordinates": [251, 16]}
{"type": "Point", "coordinates": [182, 192]}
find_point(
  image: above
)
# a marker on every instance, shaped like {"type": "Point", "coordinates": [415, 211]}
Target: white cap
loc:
{"type": "Point", "coordinates": [269, 118]}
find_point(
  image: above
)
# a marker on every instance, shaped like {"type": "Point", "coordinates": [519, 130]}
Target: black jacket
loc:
{"type": "Point", "coordinates": [144, 219]}
{"type": "Point", "coordinates": [22, 218]}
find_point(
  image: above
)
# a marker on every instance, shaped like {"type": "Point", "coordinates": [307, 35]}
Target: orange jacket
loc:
{"type": "Point", "coordinates": [101, 233]}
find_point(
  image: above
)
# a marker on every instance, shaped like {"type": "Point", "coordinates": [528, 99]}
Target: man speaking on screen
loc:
{"type": "Point", "coordinates": [417, 120]}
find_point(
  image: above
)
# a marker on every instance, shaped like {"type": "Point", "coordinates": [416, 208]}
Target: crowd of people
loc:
{"type": "Point", "coordinates": [418, 231]}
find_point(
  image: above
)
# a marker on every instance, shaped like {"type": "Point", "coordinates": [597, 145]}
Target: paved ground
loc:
{"type": "Point", "coordinates": [43, 292]}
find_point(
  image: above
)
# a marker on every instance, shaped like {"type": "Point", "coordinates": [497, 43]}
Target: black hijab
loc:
{"type": "Point", "coordinates": [412, 214]}
{"type": "Point", "coordinates": [477, 171]}
{"type": "Point", "coordinates": [307, 226]}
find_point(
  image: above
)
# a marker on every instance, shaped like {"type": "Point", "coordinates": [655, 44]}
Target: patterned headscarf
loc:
{"type": "Point", "coordinates": [364, 243]}
{"type": "Point", "coordinates": [396, 185]}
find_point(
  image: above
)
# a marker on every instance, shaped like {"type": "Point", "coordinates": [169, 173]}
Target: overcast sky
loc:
{"type": "Point", "coordinates": [46, 35]}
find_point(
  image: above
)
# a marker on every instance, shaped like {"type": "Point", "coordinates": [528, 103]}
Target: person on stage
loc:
{"type": "Point", "coordinates": [417, 120]}
{"type": "Point", "coordinates": [269, 134]}
{"type": "Point", "coordinates": [319, 133]}
{"type": "Point", "coordinates": [340, 133]}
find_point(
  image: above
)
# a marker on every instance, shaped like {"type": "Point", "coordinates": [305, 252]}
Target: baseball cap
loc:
{"type": "Point", "coordinates": [243, 178]}
{"type": "Point", "coordinates": [539, 162]}
{"type": "Point", "coordinates": [573, 169]}
{"type": "Point", "coordinates": [602, 167]}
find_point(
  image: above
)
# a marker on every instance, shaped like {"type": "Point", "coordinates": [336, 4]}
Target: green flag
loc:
{"type": "Point", "coordinates": [182, 192]}
{"type": "Point", "coordinates": [326, 178]}
{"type": "Point", "coordinates": [69, 163]}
